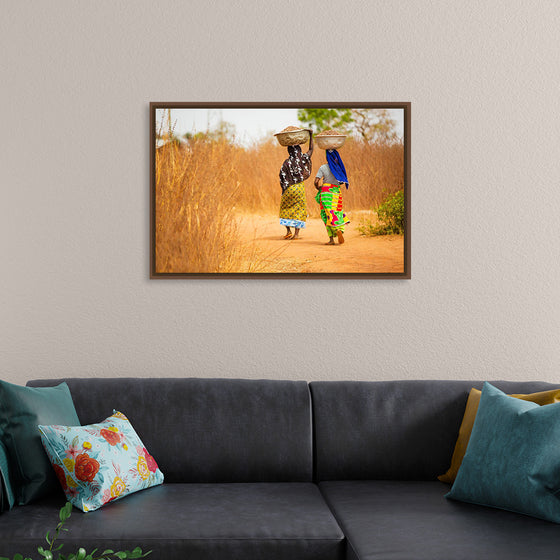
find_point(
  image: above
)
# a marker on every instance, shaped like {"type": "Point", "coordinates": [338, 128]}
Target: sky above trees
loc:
{"type": "Point", "coordinates": [253, 125]}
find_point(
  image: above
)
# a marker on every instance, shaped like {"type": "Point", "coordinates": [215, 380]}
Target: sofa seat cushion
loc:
{"type": "Point", "coordinates": [192, 521]}
{"type": "Point", "coordinates": [411, 520]}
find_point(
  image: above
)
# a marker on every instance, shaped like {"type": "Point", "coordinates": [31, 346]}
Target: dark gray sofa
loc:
{"type": "Point", "coordinates": [288, 470]}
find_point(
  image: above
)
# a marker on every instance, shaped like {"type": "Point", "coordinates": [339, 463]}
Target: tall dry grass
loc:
{"type": "Point", "coordinates": [203, 186]}
{"type": "Point", "coordinates": [196, 230]}
{"type": "Point", "coordinates": [374, 171]}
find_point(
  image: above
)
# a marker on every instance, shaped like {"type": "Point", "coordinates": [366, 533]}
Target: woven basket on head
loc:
{"type": "Point", "coordinates": [330, 140]}
{"type": "Point", "coordinates": [292, 136]}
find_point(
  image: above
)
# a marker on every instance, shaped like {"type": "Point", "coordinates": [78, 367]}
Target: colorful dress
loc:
{"type": "Point", "coordinates": [294, 171]}
{"type": "Point", "coordinates": [293, 206]}
{"type": "Point", "coordinates": [329, 199]}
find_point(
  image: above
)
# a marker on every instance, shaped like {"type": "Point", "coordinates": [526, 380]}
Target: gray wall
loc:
{"type": "Point", "coordinates": [483, 78]}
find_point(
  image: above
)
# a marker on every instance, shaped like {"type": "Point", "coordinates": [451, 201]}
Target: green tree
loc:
{"type": "Point", "coordinates": [320, 119]}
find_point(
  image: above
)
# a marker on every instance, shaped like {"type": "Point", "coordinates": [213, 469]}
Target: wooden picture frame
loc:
{"type": "Point", "coordinates": [216, 191]}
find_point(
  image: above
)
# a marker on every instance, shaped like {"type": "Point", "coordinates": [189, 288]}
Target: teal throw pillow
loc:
{"type": "Point", "coordinates": [21, 410]}
{"type": "Point", "coordinates": [513, 457]}
{"type": "Point", "coordinates": [99, 463]}
{"type": "Point", "coordinates": [6, 489]}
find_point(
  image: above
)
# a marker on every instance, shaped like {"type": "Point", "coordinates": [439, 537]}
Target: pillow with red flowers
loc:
{"type": "Point", "coordinates": [99, 463]}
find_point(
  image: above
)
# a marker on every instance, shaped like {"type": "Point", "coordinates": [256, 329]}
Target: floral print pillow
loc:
{"type": "Point", "coordinates": [99, 463]}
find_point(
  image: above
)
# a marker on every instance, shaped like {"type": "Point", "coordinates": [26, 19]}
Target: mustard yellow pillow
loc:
{"type": "Point", "coordinates": [541, 398]}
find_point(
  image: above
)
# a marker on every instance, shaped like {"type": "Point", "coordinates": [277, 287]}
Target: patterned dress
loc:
{"type": "Point", "coordinates": [293, 206]}
{"type": "Point", "coordinates": [329, 199]}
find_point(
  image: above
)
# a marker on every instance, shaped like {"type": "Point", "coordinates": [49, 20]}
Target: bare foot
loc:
{"type": "Point", "coordinates": [331, 242]}
{"type": "Point", "coordinates": [288, 236]}
{"type": "Point", "coordinates": [340, 237]}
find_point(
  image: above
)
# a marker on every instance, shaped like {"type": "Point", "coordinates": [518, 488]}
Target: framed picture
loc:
{"type": "Point", "coordinates": [291, 190]}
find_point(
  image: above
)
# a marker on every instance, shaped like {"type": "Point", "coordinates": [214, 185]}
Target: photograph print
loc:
{"type": "Point", "coordinates": [290, 190]}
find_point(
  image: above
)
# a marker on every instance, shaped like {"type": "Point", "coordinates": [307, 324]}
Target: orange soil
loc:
{"type": "Point", "coordinates": [309, 253]}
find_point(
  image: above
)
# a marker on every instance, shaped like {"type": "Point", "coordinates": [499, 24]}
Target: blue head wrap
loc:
{"type": "Point", "coordinates": [336, 166]}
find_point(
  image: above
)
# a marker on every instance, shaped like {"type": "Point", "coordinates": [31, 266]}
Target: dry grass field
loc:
{"type": "Point", "coordinates": [205, 188]}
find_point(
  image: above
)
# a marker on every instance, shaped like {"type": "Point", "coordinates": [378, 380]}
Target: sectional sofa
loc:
{"type": "Point", "coordinates": [286, 470]}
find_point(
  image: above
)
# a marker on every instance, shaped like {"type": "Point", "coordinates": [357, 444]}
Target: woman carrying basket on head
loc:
{"type": "Point", "coordinates": [329, 196]}
{"type": "Point", "coordinates": [293, 205]}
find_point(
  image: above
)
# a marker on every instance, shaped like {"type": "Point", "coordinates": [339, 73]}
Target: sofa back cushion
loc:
{"type": "Point", "coordinates": [208, 430]}
{"type": "Point", "coordinates": [393, 430]}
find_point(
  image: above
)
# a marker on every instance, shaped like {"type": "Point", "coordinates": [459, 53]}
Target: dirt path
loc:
{"type": "Point", "coordinates": [311, 254]}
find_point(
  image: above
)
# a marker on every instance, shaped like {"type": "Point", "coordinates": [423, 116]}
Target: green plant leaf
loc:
{"type": "Point", "coordinates": [65, 512]}
{"type": "Point", "coordinates": [81, 554]}
{"type": "Point", "coordinates": [390, 216]}
{"type": "Point", "coordinates": [68, 508]}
